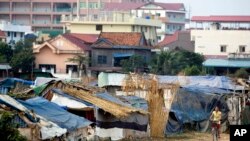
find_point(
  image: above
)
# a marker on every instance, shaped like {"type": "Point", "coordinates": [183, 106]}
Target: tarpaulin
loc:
{"type": "Point", "coordinates": [56, 114]}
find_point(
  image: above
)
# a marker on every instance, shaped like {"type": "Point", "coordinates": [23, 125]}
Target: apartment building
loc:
{"type": "Point", "coordinates": [14, 32]}
{"type": "Point", "coordinates": [172, 15]}
{"type": "Point", "coordinates": [113, 22]}
{"type": "Point", "coordinates": [221, 37]}
{"type": "Point", "coordinates": [46, 14]}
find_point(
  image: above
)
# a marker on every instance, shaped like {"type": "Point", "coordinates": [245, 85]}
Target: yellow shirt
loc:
{"type": "Point", "coordinates": [216, 116]}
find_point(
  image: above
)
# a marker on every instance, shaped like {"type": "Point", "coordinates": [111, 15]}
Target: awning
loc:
{"type": "Point", "coordinates": [227, 63]}
{"type": "Point", "coordinates": [120, 55]}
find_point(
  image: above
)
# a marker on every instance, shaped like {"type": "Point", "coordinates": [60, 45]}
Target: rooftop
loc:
{"type": "Point", "coordinates": [171, 38]}
{"type": "Point", "coordinates": [122, 38]}
{"type": "Point", "coordinates": [221, 18]}
{"type": "Point", "coordinates": [75, 40]}
{"type": "Point", "coordinates": [88, 38]}
{"type": "Point", "coordinates": [127, 6]}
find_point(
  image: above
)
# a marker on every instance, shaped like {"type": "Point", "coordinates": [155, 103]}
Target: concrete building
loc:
{"type": "Point", "coordinates": [14, 32]}
{"type": "Point", "coordinates": [2, 36]}
{"type": "Point", "coordinates": [53, 55]}
{"type": "Point", "coordinates": [172, 15]}
{"type": "Point", "coordinates": [111, 48]}
{"type": "Point", "coordinates": [113, 22]}
{"type": "Point", "coordinates": [180, 40]}
{"type": "Point", "coordinates": [46, 14]}
{"type": "Point", "coordinates": [221, 36]}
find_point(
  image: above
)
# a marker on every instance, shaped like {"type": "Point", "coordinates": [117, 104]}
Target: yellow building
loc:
{"type": "Point", "coordinates": [113, 22]}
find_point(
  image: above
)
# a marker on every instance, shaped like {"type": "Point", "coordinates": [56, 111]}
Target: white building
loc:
{"type": "Point", "coordinates": [172, 15]}
{"type": "Point", "coordinates": [113, 22]}
{"type": "Point", "coordinates": [14, 32]}
{"type": "Point", "coordinates": [221, 36]}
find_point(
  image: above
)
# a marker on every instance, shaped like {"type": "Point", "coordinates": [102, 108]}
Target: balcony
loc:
{"type": "Point", "coordinates": [238, 56]}
{"type": "Point", "coordinates": [62, 10]}
{"type": "Point", "coordinates": [41, 10]}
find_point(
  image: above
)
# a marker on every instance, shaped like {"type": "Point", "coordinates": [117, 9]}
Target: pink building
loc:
{"type": "Point", "coordinates": [46, 14]}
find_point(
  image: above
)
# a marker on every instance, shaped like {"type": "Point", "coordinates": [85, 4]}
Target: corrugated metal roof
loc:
{"type": "Point", "coordinates": [221, 18]}
{"type": "Point", "coordinates": [227, 63]}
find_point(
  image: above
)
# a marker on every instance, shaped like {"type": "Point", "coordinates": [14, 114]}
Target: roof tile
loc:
{"type": "Point", "coordinates": [122, 38]}
{"type": "Point", "coordinates": [218, 18]}
{"type": "Point", "coordinates": [77, 41]}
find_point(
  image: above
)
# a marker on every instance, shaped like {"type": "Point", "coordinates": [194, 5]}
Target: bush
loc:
{"type": "Point", "coordinates": [193, 70]}
{"type": "Point", "coordinates": [8, 130]}
{"type": "Point", "coordinates": [241, 73]}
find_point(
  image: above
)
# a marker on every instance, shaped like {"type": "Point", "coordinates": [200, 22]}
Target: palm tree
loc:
{"type": "Point", "coordinates": [82, 63]}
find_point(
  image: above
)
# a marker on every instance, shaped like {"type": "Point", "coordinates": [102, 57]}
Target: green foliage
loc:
{"type": "Point", "coordinates": [173, 62]}
{"type": "Point", "coordinates": [241, 73]}
{"type": "Point", "coordinates": [6, 53]}
{"type": "Point", "coordinates": [81, 60]}
{"type": "Point", "coordinates": [193, 70]}
{"type": "Point", "coordinates": [8, 130]}
{"type": "Point", "coordinates": [23, 57]}
{"type": "Point", "coordinates": [134, 62]}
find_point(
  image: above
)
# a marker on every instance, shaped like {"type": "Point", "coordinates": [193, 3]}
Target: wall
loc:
{"type": "Point", "coordinates": [208, 42]}
{"type": "Point", "coordinates": [46, 56]}
{"type": "Point", "coordinates": [109, 53]}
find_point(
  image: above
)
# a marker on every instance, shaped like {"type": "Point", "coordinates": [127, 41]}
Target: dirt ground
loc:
{"type": "Point", "coordinates": [188, 136]}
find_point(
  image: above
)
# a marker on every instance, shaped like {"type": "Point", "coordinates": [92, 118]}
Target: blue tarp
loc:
{"type": "Point", "coordinates": [56, 114]}
{"type": "Point", "coordinates": [194, 105]}
{"type": "Point", "coordinates": [221, 82]}
{"type": "Point", "coordinates": [10, 82]}
{"type": "Point", "coordinates": [117, 55]}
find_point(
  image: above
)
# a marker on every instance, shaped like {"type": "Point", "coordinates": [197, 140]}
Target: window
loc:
{"type": "Point", "coordinates": [158, 14]}
{"type": "Point", "coordinates": [102, 59]}
{"type": "Point", "coordinates": [168, 26]}
{"type": "Point", "coordinates": [21, 35]}
{"type": "Point", "coordinates": [95, 16]}
{"type": "Point", "coordinates": [242, 48]}
{"type": "Point", "coordinates": [98, 27]}
{"type": "Point", "coordinates": [146, 29]}
{"type": "Point", "coordinates": [14, 34]}
{"type": "Point", "coordinates": [158, 37]}
{"type": "Point", "coordinates": [133, 28]}
{"type": "Point", "coordinates": [8, 34]}
{"type": "Point", "coordinates": [223, 48]}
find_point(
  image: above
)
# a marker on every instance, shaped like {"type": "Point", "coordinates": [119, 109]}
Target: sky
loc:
{"type": "Point", "coordinates": [214, 7]}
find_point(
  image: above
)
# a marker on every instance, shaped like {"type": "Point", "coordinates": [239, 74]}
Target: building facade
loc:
{"type": "Point", "coordinates": [180, 40]}
{"type": "Point", "coordinates": [172, 15]}
{"type": "Point", "coordinates": [113, 22]}
{"type": "Point", "coordinates": [53, 55]}
{"type": "Point", "coordinates": [111, 48]}
{"type": "Point", "coordinates": [46, 14]}
{"type": "Point", "coordinates": [13, 32]}
{"type": "Point", "coordinates": [220, 36]}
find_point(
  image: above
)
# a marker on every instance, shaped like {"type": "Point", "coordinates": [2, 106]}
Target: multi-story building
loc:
{"type": "Point", "coordinates": [221, 36]}
{"type": "Point", "coordinates": [13, 32]}
{"type": "Point", "coordinates": [46, 14]}
{"type": "Point", "coordinates": [113, 22]}
{"type": "Point", "coordinates": [172, 15]}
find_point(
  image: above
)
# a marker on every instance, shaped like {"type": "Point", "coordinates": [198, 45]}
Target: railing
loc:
{"type": "Point", "coordinates": [62, 10]}
{"type": "Point", "coordinates": [40, 22]}
{"type": "Point", "coordinates": [238, 56]}
{"type": "Point", "coordinates": [4, 9]}
{"type": "Point", "coordinates": [41, 10]}
{"type": "Point", "coordinates": [27, 9]}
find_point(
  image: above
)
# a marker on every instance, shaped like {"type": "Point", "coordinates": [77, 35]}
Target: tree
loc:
{"type": "Point", "coordinates": [6, 53]}
{"type": "Point", "coordinates": [134, 63]}
{"type": "Point", "coordinates": [173, 62]}
{"type": "Point", "coordinates": [82, 62]}
{"type": "Point", "coordinates": [8, 130]}
{"type": "Point", "coordinates": [23, 57]}
{"type": "Point", "coordinates": [241, 73]}
{"type": "Point", "coordinates": [193, 70]}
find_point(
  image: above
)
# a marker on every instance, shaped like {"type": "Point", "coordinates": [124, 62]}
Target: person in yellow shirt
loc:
{"type": "Point", "coordinates": [216, 117]}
